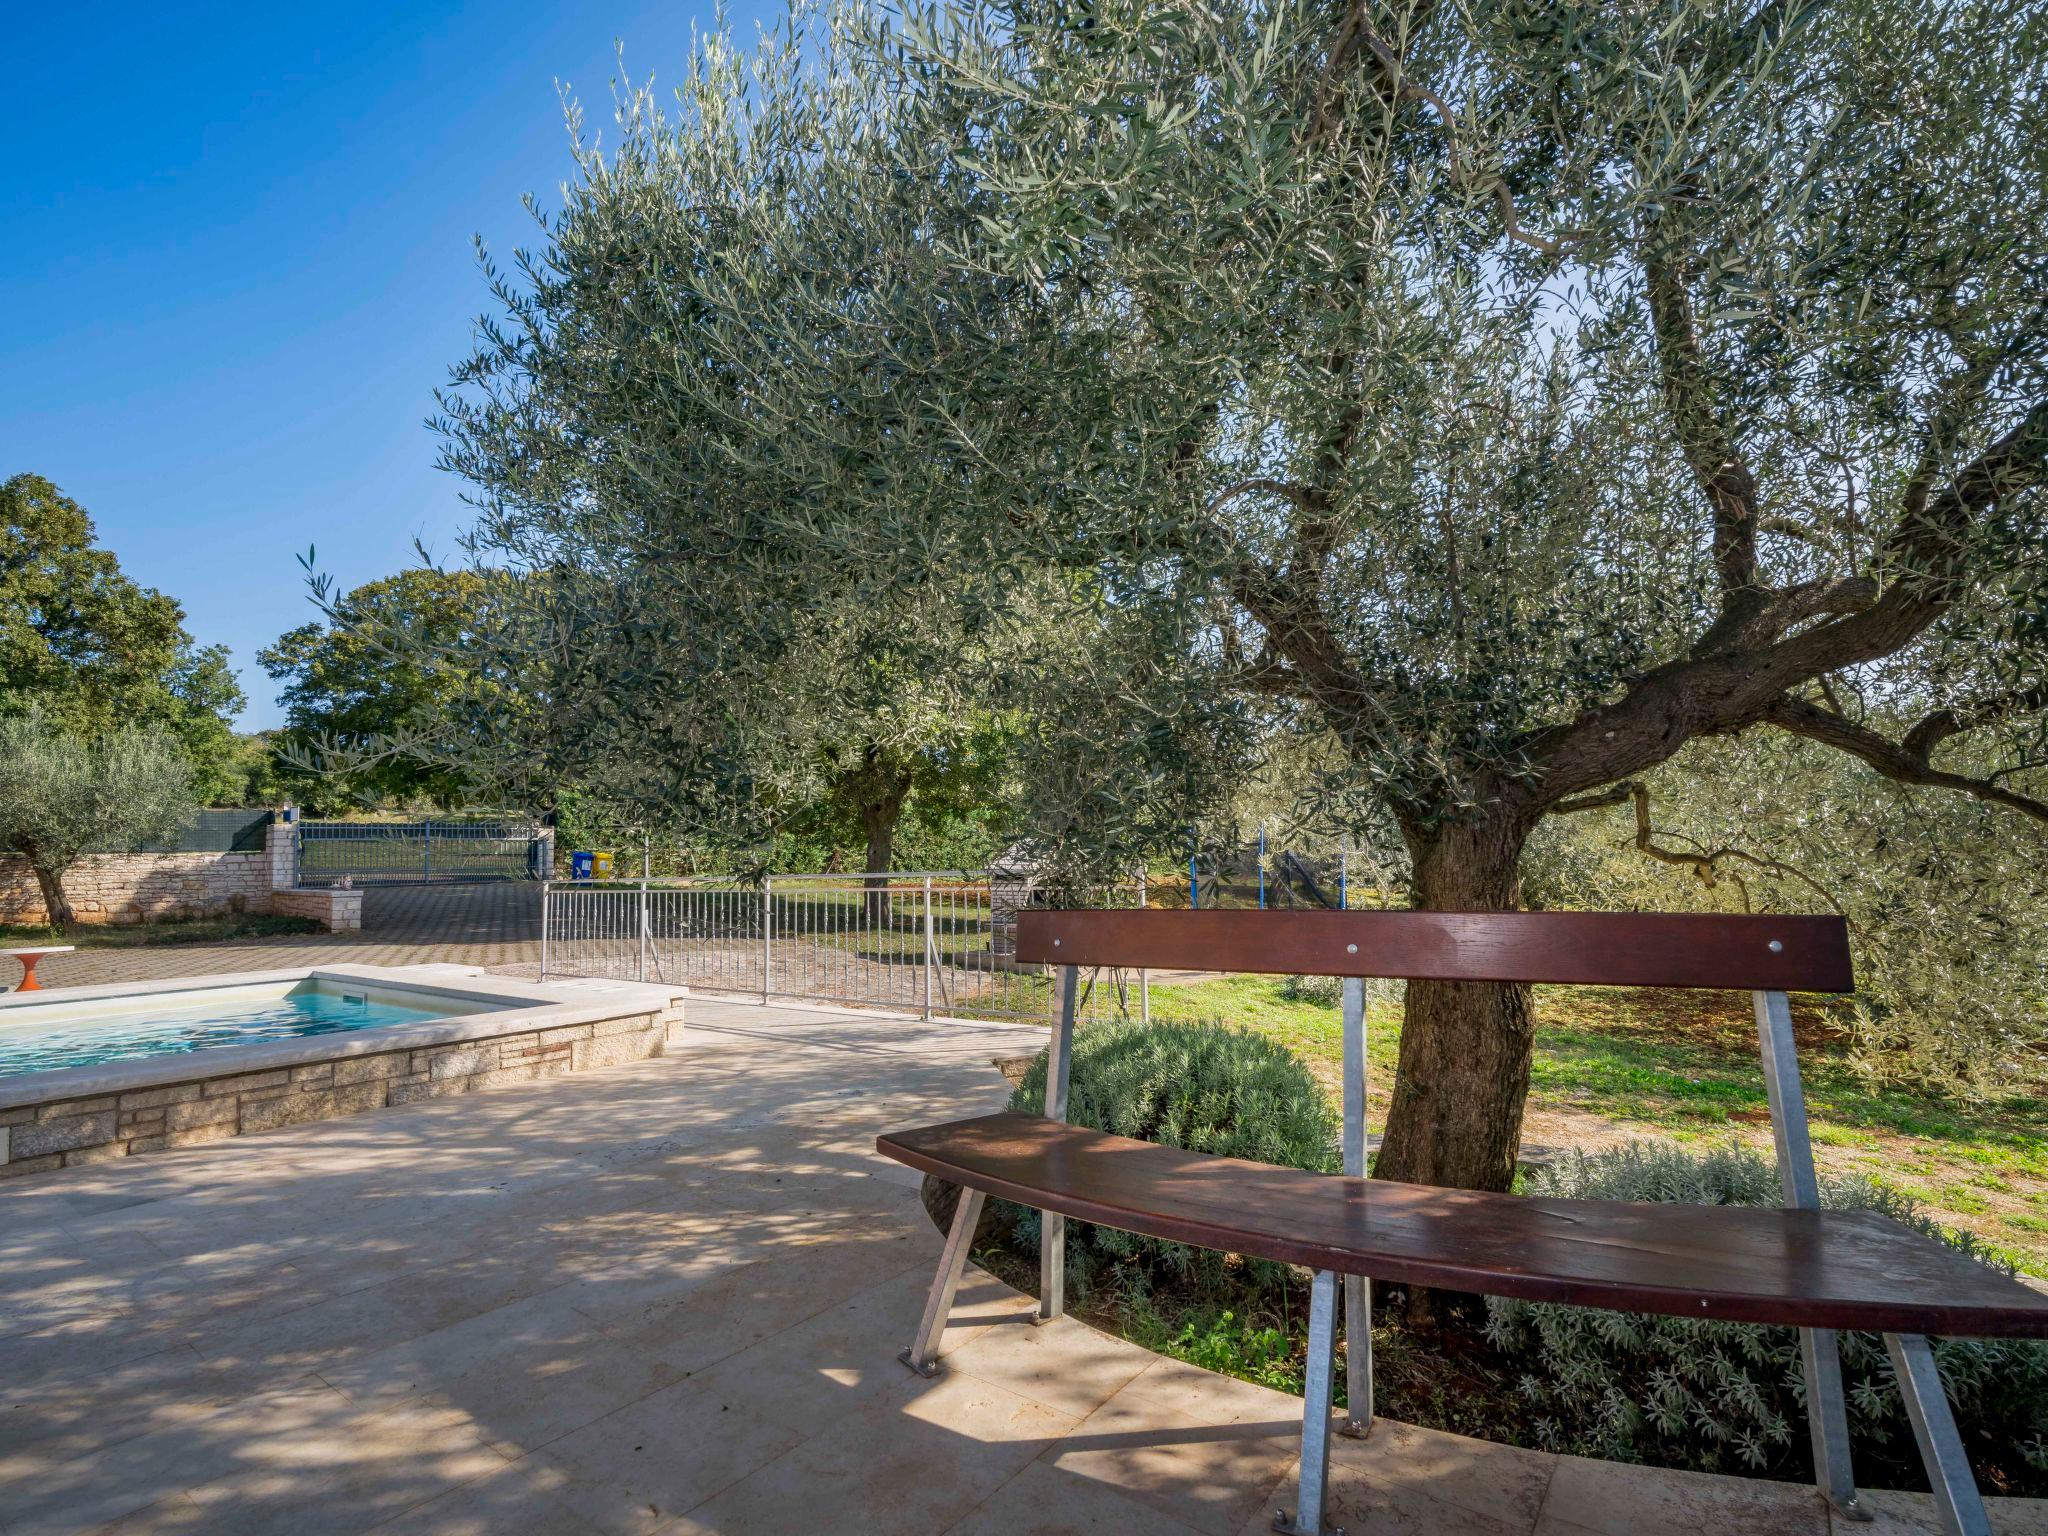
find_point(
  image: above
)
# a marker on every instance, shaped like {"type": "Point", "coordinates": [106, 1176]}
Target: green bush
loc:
{"type": "Point", "coordinates": [1204, 1086]}
{"type": "Point", "coordinates": [1719, 1396]}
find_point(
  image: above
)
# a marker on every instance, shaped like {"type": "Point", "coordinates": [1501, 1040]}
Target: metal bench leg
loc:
{"type": "Point", "coordinates": [1059, 1060]}
{"type": "Point", "coordinates": [1307, 1519]}
{"type": "Point", "coordinates": [1357, 1356]}
{"type": "Point", "coordinates": [1357, 1289]}
{"type": "Point", "coordinates": [1820, 1360]}
{"type": "Point", "coordinates": [1956, 1499]}
{"type": "Point", "coordinates": [923, 1354]}
{"type": "Point", "coordinates": [1827, 1420]}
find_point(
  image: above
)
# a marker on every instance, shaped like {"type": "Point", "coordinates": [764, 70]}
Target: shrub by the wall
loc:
{"type": "Point", "coordinates": [1719, 1396]}
{"type": "Point", "coordinates": [1207, 1087]}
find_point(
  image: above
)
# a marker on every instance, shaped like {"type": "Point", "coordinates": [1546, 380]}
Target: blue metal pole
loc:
{"type": "Point", "coordinates": [1194, 874]}
{"type": "Point", "coordinates": [1262, 869]}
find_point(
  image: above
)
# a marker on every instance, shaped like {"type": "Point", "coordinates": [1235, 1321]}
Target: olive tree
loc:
{"type": "Point", "coordinates": [713, 424]}
{"type": "Point", "coordinates": [62, 794]}
{"type": "Point", "coordinates": [1529, 391]}
{"type": "Point", "coordinates": [1515, 393]}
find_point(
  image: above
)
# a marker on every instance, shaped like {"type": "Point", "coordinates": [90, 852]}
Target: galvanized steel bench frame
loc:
{"type": "Point", "coordinates": [1769, 956]}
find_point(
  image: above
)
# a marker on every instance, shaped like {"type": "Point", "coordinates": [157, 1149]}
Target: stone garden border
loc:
{"type": "Point", "coordinates": [90, 1114]}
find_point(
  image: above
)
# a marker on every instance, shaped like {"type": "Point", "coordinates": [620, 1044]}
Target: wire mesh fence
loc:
{"type": "Point", "coordinates": [939, 944]}
{"type": "Point", "coordinates": [384, 852]}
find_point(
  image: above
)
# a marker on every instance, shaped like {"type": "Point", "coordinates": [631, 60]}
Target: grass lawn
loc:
{"type": "Point", "coordinates": [1613, 1064]}
{"type": "Point", "coordinates": [198, 930]}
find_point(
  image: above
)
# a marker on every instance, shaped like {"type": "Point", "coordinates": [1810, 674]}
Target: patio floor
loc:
{"type": "Point", "coordinates": [662, 1298]}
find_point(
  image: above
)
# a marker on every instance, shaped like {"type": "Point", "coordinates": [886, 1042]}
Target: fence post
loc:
{"type": "Point", "coordinates": [643, 929]}
{"type": "Point", "coordinates": [546, 911]}
{"type": "Point", "coordinates": [426, 848]}
{"type": "Point", "coordinates": [930, 946]}
{"type": "Point", "coordinates": [767, 931]}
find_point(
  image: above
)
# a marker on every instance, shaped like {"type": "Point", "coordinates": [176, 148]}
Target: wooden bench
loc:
{"type": "Point", "coordinates": [1798, 1266]}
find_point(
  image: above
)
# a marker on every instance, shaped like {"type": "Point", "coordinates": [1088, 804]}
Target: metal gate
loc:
{"type": "Point", "coordinates": [415, 852]}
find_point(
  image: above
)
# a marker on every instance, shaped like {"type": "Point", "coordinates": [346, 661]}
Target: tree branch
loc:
{"type": "Point", "coordinates": [1709, 447]}
{"type": "Point", "coordinates": [1938, 727]}
{"type": "Point", "coordinates": [1595, 802]}
{"type": "Point", "coordinates": [1906, 761]}
{"type": "Point", "coordinates": [1713, 692]}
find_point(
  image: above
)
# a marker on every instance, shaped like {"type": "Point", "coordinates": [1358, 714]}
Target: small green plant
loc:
{"type": "Point", "coordinates": [1204, 1086]}
{"type": "Point", "coordinates": [1720, 1396]}
{"type": "Point", "coordinates": [1326, 990]}
{"type": "Point", "coordinates": [1234, 1347]}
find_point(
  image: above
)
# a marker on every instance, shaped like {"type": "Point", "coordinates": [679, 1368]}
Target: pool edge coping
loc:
{"type": "Point", "coordinates": [533, 1006]}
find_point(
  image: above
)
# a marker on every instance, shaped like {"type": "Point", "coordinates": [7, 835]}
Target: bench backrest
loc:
{"type": "Point", "coordinates": [1641, 949]}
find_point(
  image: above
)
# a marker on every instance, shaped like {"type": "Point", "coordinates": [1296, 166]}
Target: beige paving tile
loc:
{"type": "Point", "coordinates": [517, 1500]}
{"type": "Point", "coordinates": [845, 1357]}
{"type": "Point", "coordinates": [1616, 1500]}
{"type": "Point", "coordinates": [1044, 1501]}
{"type": "Point", "coordinates": [365, 1470]}
{"type": "Point", "coordinates": [1396, 1460]}
{"type": "Point", "coordinates": [1211, 1475]}
{"type": "Point", "coordinates": [904, 1466]}
{"type": "Point", "coordinates": [1912, 1514]}
{"type": "Point", "coordinates": [526, 1374]}
{"type": "Point", "coordinates": [45, 1499]}
{"type": "Point", "coordinates": [1063, 1364]}
{"type": "Point", "coordinates": [1173, 1386]}
{"type": "Point", "coordinates": [632, 1470]}
{"type": "Point", "coordinates": [58, 1422]}
{"type": "Point", "coordinates": [1410, 1508]}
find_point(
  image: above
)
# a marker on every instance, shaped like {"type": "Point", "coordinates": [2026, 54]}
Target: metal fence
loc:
{"type": "Point", "coordinates": [916, 943]}
{"type": "Point", "coordinates": [216, 831]}
{"type": "Point", "coordinates": [390, 852]}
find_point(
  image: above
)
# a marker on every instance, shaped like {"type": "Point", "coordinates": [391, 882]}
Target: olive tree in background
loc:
{"type": "Point", "coordinates": [1516, 393]}
{"type": "Point", "coordinates": [62, 795]}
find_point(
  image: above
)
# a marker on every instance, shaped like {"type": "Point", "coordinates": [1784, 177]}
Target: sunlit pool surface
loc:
{"type": "Point", "coordinates": [86, 1034]}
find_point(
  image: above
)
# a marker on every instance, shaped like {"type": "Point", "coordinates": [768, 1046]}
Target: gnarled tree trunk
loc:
{"type": "Point", "coordinates": [57, 909]}
{"type": "Point", "coordinates": [1465, 1045]}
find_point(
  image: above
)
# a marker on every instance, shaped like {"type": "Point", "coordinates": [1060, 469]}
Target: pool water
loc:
{"type": "Point", "coordinates": [90, 1034]}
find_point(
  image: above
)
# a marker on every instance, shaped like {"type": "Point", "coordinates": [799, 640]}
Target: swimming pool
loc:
{"type": "Point", "coordinates": [94, 1031]}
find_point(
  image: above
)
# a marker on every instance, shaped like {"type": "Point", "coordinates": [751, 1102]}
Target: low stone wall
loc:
{"type": "Point", "coordinates": [64, 1133]}
{"type": "Point", "coordinates": [143, 887]}
{"type": "Point", "coordinates": [336, 911]}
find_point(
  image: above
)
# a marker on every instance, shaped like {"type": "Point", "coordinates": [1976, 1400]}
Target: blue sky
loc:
{"type": "Point", "coordinates": [235, 261]}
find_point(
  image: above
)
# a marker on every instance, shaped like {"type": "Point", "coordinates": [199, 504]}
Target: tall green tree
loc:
{"type": "Point", "coordinates": [1532, 390]}
{"type": "Point", "coordinates": [350, 691]}
{"type": "Point", "coordinates": [1514, 393]}
{"type": "Point", "coordinates": [708, 616]}
{"type": "Point", "coordinates": [62, 794]}
{"type": "Point", "coordinates": [95, 649]}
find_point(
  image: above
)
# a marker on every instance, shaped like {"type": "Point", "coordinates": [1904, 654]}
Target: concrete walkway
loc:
{"type": "Point", "coordinates": [661, 1298]}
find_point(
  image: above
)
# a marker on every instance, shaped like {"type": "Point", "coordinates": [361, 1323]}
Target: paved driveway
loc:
{"type": "Point", "coordinates": [490, 923]}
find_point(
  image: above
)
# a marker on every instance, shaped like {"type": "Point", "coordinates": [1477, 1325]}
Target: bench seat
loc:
{"type": "Point", "coordinates": [1804, 1268]}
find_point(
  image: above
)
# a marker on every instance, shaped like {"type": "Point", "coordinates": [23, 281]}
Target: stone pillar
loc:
{"type": "Point", "coordinates": [281, 849]}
